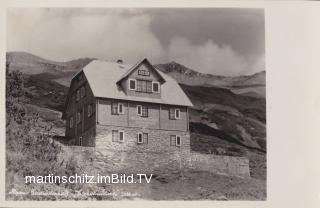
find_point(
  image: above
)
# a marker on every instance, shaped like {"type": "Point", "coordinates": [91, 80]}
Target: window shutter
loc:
{"type": "Point", "coordinates": [173, 140]}
{"type": "Point", "coordinates": [149, 86]}
{"type": "Point", "coordinates": [171, 114]}
{"type": "Point", "coordinates": [114, 108]}
{"type": "Point", "coordinates": [145, 138]}
{"type": "Point", "coordinates": [114, 135]}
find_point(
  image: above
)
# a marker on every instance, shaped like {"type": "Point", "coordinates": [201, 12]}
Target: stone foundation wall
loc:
{"type": "Point", "coordinates": [158, 140]}
{"type": "Point", "coordinates": [113, 161]}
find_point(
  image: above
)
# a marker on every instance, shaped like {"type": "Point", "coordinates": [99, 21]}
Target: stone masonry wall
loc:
{"type": "Point", "coordinates": [158, 140]}
{"type": "Point", "coordinates": [158, 156]}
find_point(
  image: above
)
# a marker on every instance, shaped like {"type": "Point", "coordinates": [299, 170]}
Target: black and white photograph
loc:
{"type": "Point", "coordinates": [113, 104]}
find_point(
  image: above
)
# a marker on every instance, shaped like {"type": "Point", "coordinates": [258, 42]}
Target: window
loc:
{"type": "Point", "coordinates": [78, 117]}
{"type": "Point", "coordinates": [175, 140]}
{"type": "Point", "coordinates": [144, 86]}
{"type": "Point", "coordinates": [80, 141]}
{"type": "Point", "coordinates": [83, 91]}
{"type": "Point", "coordinates": [144, 112]}
{"type": "Point", "coordinates": [142, 138]}
{"type": "Point", "coordinates": [171, 114]}
{"type": "Point", "coordinates": [71, 122]}
{"type": "Point", "coordinates": [114, 108]}
{"type": "Point", "coordinates": [120, 108]}
{"type": "Point", "coordinates": [177, 114]}
{"type": "Point", "coordinates": [78, 95]}
{"type": "Point", "coordinates": [117, 135]}
{"type": "Point", "coordinates": [178, 140]}
{"type": "Point", "coordinates": [139, 110]}
{"type": "Point", "coordinates": [121, 136]}
{"type": "Point", "coordinates": [90, 110]}
{"type": "Point", "coordinates": [132, 84]}
{"type": "Point", "coordinates": [156, 87]}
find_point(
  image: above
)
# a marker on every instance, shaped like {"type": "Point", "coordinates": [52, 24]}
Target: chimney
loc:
{"type": "Point", "coordinates": [120, 61]}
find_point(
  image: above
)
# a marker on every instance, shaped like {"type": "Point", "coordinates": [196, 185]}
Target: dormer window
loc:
{"type": "Point", "coordinates": [156, 87]}
{"type": "Point", "coordinates": [132, 84]}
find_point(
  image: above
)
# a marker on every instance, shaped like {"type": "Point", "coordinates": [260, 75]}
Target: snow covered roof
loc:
{"type": "Point", "coordinates": [102, 77]}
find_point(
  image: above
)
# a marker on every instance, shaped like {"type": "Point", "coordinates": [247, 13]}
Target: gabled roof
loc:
{"type": "Point", "coordinates": [102, 77]}
{"type": "Point", "coordinates": [144, 61]}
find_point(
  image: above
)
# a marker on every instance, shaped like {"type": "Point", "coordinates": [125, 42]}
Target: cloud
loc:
{"type": "Point", "coordinates": [208, 57]}
{"type": "Point", "coordinates": [65, 34]}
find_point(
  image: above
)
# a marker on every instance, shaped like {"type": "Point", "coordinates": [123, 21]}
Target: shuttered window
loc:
{"type": "Point", "coordinates": [142, 138]}
{"type": "Point", "coordinates": [175, 140]}
{"type": "Point", "coordinates": [171, 114]}
{"type": "Point", "coordinates": [114, 108]}
{"type": "Point", "coordinates": [114, 135]}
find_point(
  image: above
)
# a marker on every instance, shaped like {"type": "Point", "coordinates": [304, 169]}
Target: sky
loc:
{"type": "Point", "coordinates": [219, 41]}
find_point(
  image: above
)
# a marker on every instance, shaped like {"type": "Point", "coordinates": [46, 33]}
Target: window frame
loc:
{"type": "Point", "coordinates": [139, 106]}
{"type": "Point", "coordinates": [178, 136]}
{"type": "Point", "coordinates": [123, 136]}
{"type": "Point", "coordinates": [122, 108]}
{"type": "Point", "coordinates": [158, 83]}
{"type": "Point", "coordinates": [135, 84]}
{"type": "Point", "coordinates": [175, 113]}
{"type": "Point", "coordinates": [138, 139]}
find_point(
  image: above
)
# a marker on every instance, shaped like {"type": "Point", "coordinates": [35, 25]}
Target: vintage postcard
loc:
{"type": "Point", "coordinates": [148, 103]}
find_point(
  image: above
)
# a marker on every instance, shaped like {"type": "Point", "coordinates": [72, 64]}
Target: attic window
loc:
{"type": "Point", "coordinates": [132, 84]}
{"type": "Point", "coordinates": [144, 86]}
